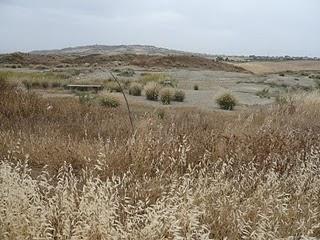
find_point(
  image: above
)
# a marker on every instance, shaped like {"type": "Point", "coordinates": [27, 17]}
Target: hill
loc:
{"type": "Point", "coordinates": [113, 50]}
{"type": "Point", "coordinates": [138, 60]}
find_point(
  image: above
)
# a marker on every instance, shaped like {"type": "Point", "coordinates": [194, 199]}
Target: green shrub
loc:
{"type": "Point", "coordinates": [165, 96]}
{"type": "Point", "coordinates": [135, 89]}
{"type": "Point", "coordinates": [109, 101]}
{"type": "Point", "coordinates": [196, 87]}
{"type": "Point", "coordinates": [152, 91]}
{"type": "Point", "coordinates": [179, 96]}
{"type": "Point", "coordinates": [281, 74]}
{"type": "Point", "coordinates": [226, 101]}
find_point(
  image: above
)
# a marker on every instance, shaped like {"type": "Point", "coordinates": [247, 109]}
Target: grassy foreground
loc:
{"type": "Point", "coordinates": [76, 171]}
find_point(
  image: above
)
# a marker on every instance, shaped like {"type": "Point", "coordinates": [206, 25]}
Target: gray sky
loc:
{"type": "Point", "coordinates": [261, 27]}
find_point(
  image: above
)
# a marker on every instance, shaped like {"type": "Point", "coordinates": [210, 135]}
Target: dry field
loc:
{"type": "Point", "coordinates": [76, 170]}
{"type": "Point", "coordinates": [281, 66]}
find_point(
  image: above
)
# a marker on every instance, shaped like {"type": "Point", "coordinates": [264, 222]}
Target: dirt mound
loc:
{"type": "Point", "coordinates": [190, 62]}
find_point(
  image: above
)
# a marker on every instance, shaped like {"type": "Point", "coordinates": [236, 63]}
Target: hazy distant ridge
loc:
{"type": "Point", "coordinates": [113, 50]}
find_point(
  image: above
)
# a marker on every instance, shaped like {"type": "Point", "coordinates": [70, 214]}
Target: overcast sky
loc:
{"type": "Point", "coordinates": [240, 27]}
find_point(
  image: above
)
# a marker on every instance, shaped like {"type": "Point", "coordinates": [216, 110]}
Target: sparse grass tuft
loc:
{"type": "Point", "coordinates": [264, 93]}
{"type": "Point", "coordinates": [159, 78]}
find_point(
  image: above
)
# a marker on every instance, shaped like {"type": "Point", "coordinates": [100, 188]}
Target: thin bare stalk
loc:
{"type": "Point", "coordinates": [125, 98]}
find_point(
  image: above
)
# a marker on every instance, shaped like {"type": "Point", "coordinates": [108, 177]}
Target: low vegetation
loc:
{"type": "Point", "coordinates": [135, 89]}
{"type": "Point", "coordinates": [152, 91]}
{"type": "Point", "coordinates": [196, 87]}
{"type": "Point", "coordinates": [226, 101]}
{"type": "Point", "coordinates": [264, 93]}
{"type": "Point", "coordinates": [166, 96]}
{"type": "Point", "coordinates": [109, 101]}
{"type": "Point", "coordinates": [77, 171]}
{"type": "Point", "coordinates": [113, 87]}
{"type": "Point", "coordinates": [179, 96]}
{"type": "Point", "coordinates": [159, 78]}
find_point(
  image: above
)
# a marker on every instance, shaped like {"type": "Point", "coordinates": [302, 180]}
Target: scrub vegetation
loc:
{"type": "Point", "coordinates": [77, 171]}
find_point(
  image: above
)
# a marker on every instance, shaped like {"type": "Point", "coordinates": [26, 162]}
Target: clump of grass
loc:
{"type": "Point", "coordinates": [27, 84]}
{"type": "Point", "coordinates": [196, 87]}
{"type": "Point", "coordinates": [109, 101]}
{"type": "Point", "coordinates": [179, 96]}
{"type": "Point", "coordinates": [135, 89]}
{"type": "Point", "coordinates": [166, 96]}
{"type": "Point", "coordinates": [113, 87]}
{"type": "Point", "coordinates": [152, 91]}
{"type": "Point", "coordinates": [226, 101]}
{"type": "Point", "coordinates": [264, 93]}
{"type": "Point", "coordinates": [85, 97]}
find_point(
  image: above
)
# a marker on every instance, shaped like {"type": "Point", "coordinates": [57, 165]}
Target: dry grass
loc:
{"type": "Point", "coordinates": [276, 67]}
{"type": "Point", "coordinates": [188, 175]}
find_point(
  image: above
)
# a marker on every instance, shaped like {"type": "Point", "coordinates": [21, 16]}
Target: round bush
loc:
{"type": "Point", "coordinates": [179, 96]}
{"type": "Point", "coordinates": [226, 101]}
{"type": "Point", "coordinates": [165, 96]}
{"type": "Point", "coordinates": [113, 87]}
{"type": "Point", "coordinates": [152, 91]}
{"type": "Point", "coordinates": [135, 89]}
{"type": "Point", "coordinates": [109, 101]}
{"type": "Point", "coordinates": [196, 87]}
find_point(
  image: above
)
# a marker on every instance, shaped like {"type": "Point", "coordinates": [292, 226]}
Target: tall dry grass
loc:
{"type": "Point", "coordinates": [71, 171]}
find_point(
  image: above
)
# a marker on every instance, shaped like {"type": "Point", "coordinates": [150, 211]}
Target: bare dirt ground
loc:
{"type": "Point", "coordinates": [244, 86]}
{"type": "Point", "coordinates": [276, 67]}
